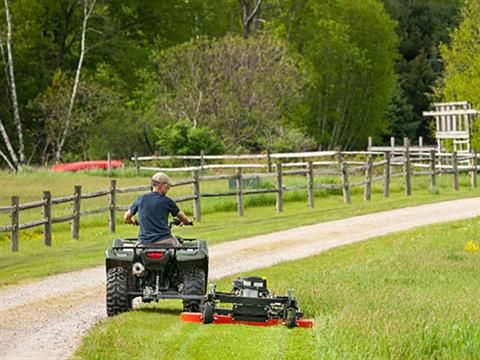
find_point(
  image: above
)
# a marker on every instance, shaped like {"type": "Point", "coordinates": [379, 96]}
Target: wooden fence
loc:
{"type": "Point", "coordinates": [376, 167]}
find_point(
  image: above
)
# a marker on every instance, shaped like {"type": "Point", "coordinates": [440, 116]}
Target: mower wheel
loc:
{"type": "Point", "coordinates": [194, 284]}
{"type": "Point", "coordinates": [291, 320]}
{"type": "Point", "coordinates": [118, 300]}
{"type": "Point", "coordinates": [208, 310]}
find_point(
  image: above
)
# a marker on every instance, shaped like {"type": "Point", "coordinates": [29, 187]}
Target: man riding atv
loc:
{"type": "Point", "coordinates": [156, 265]}
{"type": "Point", "coordinates": [153, 209]}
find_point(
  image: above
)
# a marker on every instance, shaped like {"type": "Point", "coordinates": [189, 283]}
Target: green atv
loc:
{"type": "Point", "coordinates": [155, 272]}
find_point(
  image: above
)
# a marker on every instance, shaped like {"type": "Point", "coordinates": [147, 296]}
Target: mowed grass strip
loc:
{"type": "Point", "coordinates": [411, 295]}
{"type": "Point", "coordinates": [220, 221]}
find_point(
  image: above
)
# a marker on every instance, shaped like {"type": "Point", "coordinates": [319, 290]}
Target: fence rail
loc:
{"type": "Point", "coordinates": [429, 163]}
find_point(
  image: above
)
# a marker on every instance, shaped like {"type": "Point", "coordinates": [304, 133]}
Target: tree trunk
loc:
{"type": "Point", "coordinates": [86, 14]}
{"type": "Point", "coordinates": [249, 16]}
{"type": "Point", "coordinates": [13, 90]}
{"type": "Point", "coordinates": [7, 160]}
{"type": "Point", "coordinates": [8, 144]}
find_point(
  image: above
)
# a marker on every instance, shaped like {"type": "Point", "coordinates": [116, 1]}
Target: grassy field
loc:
{"type": "Point", "coordinates": [220, 221]}
{"type": "Point", "coordinates": [412, 295]}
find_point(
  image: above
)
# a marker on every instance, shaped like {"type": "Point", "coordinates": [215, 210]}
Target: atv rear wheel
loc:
{"type": "Point", "coordinates": [118, 300]}
{"type": "Point", "coordinates": [194, 284]}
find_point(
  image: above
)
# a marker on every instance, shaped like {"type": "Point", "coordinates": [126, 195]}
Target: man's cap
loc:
{"type": "Point", "coordinates": [161, 178]}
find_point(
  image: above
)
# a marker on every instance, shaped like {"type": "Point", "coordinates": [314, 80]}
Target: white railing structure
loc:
{"type": "Point", "coordinates": [454, 122]}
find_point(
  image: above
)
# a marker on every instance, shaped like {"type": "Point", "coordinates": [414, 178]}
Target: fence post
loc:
{"type": "Point", "coordinates": [392, 155]}
{"type": "Point", "coordinates": [109, 160]}
{"type": "Point", "coordinates": [455, 170]}
{"type": "Point", "coordinates": [269, 161]}
{"type": "Point", "coordinates": [310, 180]}
{"type": "Point", "coordinates": [239, 186]}
{"type": "Point", "coordinates": [367, 195]}
{"type": "Point", "coordinates": [406, 167]}
{"type": "Point", "coordinates": [433, 170]}
{"type": "Point", "coordinates": [197, 214]}
{"type": "Point", "coordinates": [47, 216]}
{"type": "Point", "coordinates": [112, 206]}
{"type": "Point", "coordinates": [279, 187]}
{"type": "Point", "coordinates": [344, 175]}
{"type": "Point", "coordinates": [137, 164]}
{"type": "Point", "coordinates": [202, 161]}
{"type": "Point", "coordinates": [75, 225]}
{"type": "Point", "coordinates": [474, 170]}
{"type": "Point", "coordinates": [370, 143]}
{"type": "Point", "coordinates": [386, 174]}
{"type": "Point", "coordinates": [15, 227]}
{"type": "Point", "coordinates": [420, 141]}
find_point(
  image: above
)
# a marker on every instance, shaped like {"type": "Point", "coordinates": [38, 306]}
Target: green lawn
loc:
{"type": "Point", "coordinates": [411, 295]}
{"type": "Point", "coordinates": [220, 221]}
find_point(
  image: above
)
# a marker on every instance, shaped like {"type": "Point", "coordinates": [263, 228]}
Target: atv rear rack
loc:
{"type": "Point", "coordinates": [135, 248]}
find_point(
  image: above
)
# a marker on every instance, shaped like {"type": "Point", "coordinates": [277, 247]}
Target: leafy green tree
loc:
{"type": "Point", "coordinates": [308, 69]}
{"type": "Point", "coordinates": [461, 80]}
{"type": "Point", "coordinates": [351, 48]}
{"type": "Point", "coordinates": [120, 38]}
{"type": "Point", "coordinates": [421, 26]}
{"type": "Point", "coordinates": [244, 89]}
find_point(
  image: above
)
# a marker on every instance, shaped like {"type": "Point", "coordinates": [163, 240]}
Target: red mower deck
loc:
{"type": "Point", "coordinates": [227, 319]}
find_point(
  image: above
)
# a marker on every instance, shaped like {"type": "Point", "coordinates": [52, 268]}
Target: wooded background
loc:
{"type": "Point", "coordinates": [85, 77]}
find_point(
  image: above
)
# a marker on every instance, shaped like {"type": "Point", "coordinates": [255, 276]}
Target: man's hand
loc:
{"type": "Point", "coordinates": [129, 219]}
{"type": "Point", "coordinates": [184, 219]}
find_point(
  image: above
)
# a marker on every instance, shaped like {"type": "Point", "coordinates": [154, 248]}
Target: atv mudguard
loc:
{"type": "Point", "coordinates": [194, 258]}
{"type": "Point", "coordinates": [117, 257]}
{"type": "Point", "coordinates": [193, 255]}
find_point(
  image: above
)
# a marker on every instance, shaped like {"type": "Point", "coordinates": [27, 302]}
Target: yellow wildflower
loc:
{"type": "Point", "coordinates": [471, 247]}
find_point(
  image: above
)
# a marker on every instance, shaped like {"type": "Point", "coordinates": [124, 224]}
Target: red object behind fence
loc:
{"type": "Point", "coordinates": [86, 165]}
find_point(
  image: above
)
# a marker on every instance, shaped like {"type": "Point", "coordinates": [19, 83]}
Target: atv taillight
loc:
{"type": "Point", "coordinates": [155, 254]}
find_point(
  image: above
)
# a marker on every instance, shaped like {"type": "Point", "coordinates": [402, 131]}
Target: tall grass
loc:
{"type": "Point", "coordinates": [411, 295]}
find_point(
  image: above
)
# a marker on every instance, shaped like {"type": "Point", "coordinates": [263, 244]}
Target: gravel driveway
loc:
{"type": "Point", "coordinates": [67, 305]}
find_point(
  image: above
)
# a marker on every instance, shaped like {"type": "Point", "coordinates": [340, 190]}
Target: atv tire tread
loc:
{"type": "Point", "coordinates": [194, 284]}
{"type": "Point", "coordinates": [118, 300]}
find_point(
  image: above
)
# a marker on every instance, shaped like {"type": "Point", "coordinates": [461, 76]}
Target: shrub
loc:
{"type": "Point", "coordinates": [181, 138]}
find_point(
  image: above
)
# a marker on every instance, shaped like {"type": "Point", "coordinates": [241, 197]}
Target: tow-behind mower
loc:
{"type": "Point", "coordinates": [251, 304]}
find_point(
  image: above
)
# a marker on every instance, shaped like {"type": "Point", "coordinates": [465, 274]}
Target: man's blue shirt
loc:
{"type": "Point", "coordinates": [153, 209]}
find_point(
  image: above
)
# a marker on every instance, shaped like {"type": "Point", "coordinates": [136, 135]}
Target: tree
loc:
{"type": "Point", "coordinates": [88, 7]}
{"type": "Point", "coordinates": [351, 48]}
{"type": "Point", "coordinates": [461, 81]}
{"type": "Point", "coordinates": [421, 26]}
{"type": "Point", "coordinates": [243, 89]}
{"type": "Point", "coordinates": [251, 10]}
{"type": "Point", "coordinates": [16, 162]}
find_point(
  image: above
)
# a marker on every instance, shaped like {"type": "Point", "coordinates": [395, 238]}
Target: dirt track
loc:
{"type": "Point", "coordinates": [68, 304]}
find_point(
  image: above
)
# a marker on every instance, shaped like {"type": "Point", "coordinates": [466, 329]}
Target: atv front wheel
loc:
{"type": "Point", "coordinates": [118, 300]}
{"type": "Point", "coordinates": [194, 284]}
